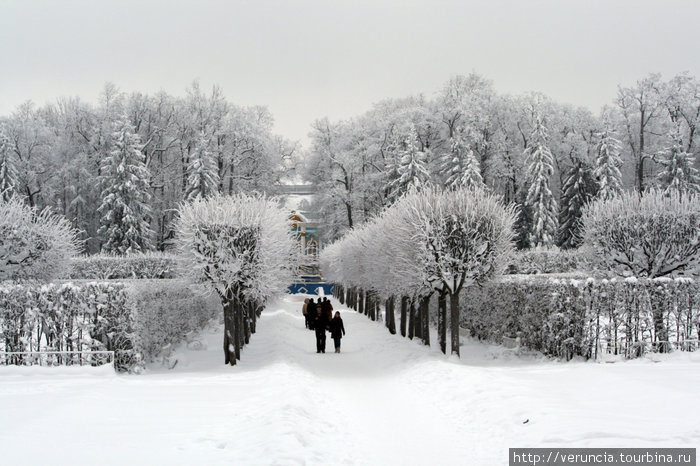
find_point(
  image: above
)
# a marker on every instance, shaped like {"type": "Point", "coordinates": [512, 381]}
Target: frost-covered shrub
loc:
{"type": "Point", "coordinates": [34, 245]}
{"type": "Point", "coordinates": [652, 235]}
{"type": "Point", "coordinates": [538, 261]}
{"type": "Point", "coordinates": [566, 317]}
{"type": "Point", "coordinates": [110, 267]}
{"type": "Point", "coordinates": [167, 311]}
{"type": "Point", "coordinates": [133, 319]}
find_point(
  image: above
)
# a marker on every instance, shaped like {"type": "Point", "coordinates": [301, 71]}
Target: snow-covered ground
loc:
{"type": "Point", "coordinates": [383, 400]}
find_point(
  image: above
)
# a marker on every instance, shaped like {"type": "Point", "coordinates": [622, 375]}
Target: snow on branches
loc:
{"type": "Point", "coordinates": [430, 240]}
{"type": "Point", "coordinates": [240, 247]}
{"type": "Point", "coordinates": [539, 195]}
{"type": "Point", "coordinates": [652, 235]}
{"type": "Point", "coordinates": [125, 194]}
{"type": "Point", "coordinates": [34, 245]}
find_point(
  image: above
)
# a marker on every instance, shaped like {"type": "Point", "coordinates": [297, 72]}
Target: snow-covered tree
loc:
{"type": "Point", "coordinates": [540, 199]}
{"type": "Point", "coordinates": [34, 245]}
{"type": "Point", "coordinates": [679, 173]}
{"type": "Point", "coordinates": [607, 165]}
{"type": "Point", "coordinates": [8, 173]}
{"type": "Point", "coordinates": [202, 172]}
{"type": "Point", "coordinates": [464, 236]}
{"type": "Point", "coordinates": [579, 187]}
{"type": "Point", "coordinates": [412, 167]}
{"type": "Point", "coordinates": [460, 167]}
{"type": "Point", "coordinates": [125, 194]}
{"type": "Point", "coordinates": [241, 248]}
{"type": "Point", "coordinates": [652, 235]}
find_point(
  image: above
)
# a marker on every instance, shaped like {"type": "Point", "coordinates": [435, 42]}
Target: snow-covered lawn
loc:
{"type": "Point", "coordinates": [383, 400]}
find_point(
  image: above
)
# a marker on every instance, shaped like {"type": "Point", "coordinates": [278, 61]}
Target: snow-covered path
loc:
{"type": "Point", "coordinates": [383, 400]}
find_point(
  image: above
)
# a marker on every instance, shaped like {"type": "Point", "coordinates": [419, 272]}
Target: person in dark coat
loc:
{"type": "Point", "coordinates": [311, 313]}
{"type": "Point", "coordinates": [320, 326]}
{"type": "Point", "coordinates": [337, 330]}
{"type": "Point", "coordinates": [327, 308]}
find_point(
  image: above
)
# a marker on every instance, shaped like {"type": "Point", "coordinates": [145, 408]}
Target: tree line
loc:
{"type": "Point", "coordinates": [119, 169]}
{"type": "Point", "coordinates": [547, 157]}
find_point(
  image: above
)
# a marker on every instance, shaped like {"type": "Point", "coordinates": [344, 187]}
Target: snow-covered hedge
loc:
{"type": "Point", "coordinates": [538, 261]}
{"type": "Point", "coordinates": [568, 317]}
{"type": "Point", "coordinates": [136, 320]}
{"type": "Point", "coordinates": [167, 311]}
{"type": "Point", "coordinates": [109, 267]}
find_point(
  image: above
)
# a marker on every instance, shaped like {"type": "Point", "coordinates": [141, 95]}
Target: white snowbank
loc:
{"type": "Point", "coordinates": [383, 400]}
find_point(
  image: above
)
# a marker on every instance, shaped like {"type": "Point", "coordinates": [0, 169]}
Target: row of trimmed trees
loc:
{"type": "Point", "coordinates": [439, 242]}
{"type": "Point", "coordinates": [428, 242]}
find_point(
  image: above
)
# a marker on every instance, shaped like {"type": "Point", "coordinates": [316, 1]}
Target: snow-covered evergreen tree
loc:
{"type": "Point", "coordinates": [124, 178]}
{"type": "Point", "coordinates": [413, 166]}
{"type": "Point", "coordinates": [607, 165]}
{"type": "Point", "coordinates": [679, 173]}
{"type": "Point", "coordinates": [579, 188]}
{"type": "Point", "coordinates": [8, 172]}
{"type": "Point", "coordinates": [202, 171]}
{"type": "Point", "coordinates": [540, 199]}
{"type": "Point", "coordinates": [460, 167]}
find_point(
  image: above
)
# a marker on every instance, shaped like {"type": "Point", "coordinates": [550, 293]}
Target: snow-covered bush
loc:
{"type": "Point", "coordinates": [110, 267]}
{"type": "Point", "coordinates": [653, 235]}
{"type": "Point", "coordinates": [567, 317]}
{"type": "Point", "coordinates": [136, 319]}
{"type": "Point", "coordinates": [538, 261]}
{"type": "Point", "coordinates": [241, 248]}
{"type": "Point", "coordinates": [34, 245]}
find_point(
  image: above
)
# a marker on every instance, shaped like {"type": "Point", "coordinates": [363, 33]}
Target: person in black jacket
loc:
{"type": "Point", "coordinates": [337, 330]}
{"type": "Point", "coordinates": [320, 325]}
{"type": "Point", "coordinates": [311, 313]}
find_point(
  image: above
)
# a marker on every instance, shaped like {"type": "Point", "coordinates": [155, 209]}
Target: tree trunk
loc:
{"type": "Point", "coordinates": [229, 331]}
{"type": "Point", "coordinates": [404, 306]}
{"type": "Point", "coordinates": [361, 300]}
{"type": "Point", "coordinates": [412, 320]}
{"type": "Point", "coordinates": [390, 317]}
{"type": "Point", "coordinates": [247, 321]}
{"type": "Point", "coordinates": [425, 319]}
{"type": "Point", "coordinates": [254, 320]}
{"type": "Point", "coordinates": [442, 321]}
{"type": "Point", "coordinates": [238, 322]}
{"type": "Point", "coordinates": [341, 294]}
{"type": "Point", "coordinates": [454, 321]}
{"type": "Point", "coordinates": [418, 320]}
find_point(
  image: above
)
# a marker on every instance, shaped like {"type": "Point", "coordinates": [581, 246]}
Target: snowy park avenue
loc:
{"type": "Point", "coordinates": [384, 400]}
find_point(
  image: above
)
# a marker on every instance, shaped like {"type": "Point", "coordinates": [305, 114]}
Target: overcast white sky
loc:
{"type": "Point", "coordinates": [306, 59]}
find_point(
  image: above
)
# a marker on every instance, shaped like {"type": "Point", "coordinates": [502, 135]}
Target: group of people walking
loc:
{"type": "Point", "coordinates": [319, 317]}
